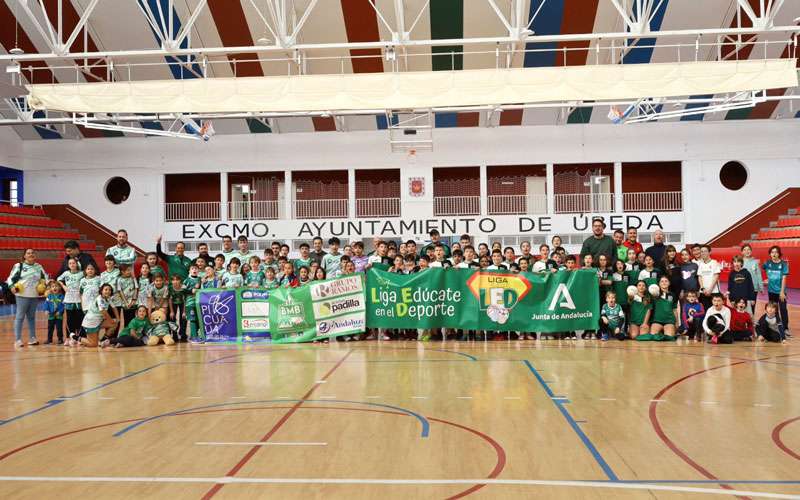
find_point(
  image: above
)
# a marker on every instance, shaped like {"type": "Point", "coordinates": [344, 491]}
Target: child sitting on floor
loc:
{"type": "Point", "coordinates": [741, 321]}
{"type": "Point", "coordinates": [769, 327]}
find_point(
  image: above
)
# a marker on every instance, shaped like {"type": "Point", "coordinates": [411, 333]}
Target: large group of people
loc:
{"type": "Point", "coordinates": [657, 293]}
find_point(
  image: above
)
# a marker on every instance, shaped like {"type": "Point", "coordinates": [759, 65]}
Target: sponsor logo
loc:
{"type": "Point", "coordinates": [342, 286]}
{"type": "Point", "coordinates": [498, 291]}
{"type": "Point", "coordinates": [255, 309]}
{"type": "Point", "coordinates": [255, 294]}
{"type": "Point", "coordinates": [255, 324]}
{"type": "Point", "coordinates": [342, 325]}
{"type": "Point", "coordinates": [332, 307]}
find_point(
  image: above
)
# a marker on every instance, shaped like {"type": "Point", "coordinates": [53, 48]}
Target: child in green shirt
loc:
{"type": "Point", "coordinates": [178, 313]}
{"type": "Point", "coordinates": [190, 286]}
{"type": "Point", "coordinates": [135, 332]}
{"type": "Point", "coordinates": [254, 277]}
{"type": "Point", "coordinates": [612, 318]}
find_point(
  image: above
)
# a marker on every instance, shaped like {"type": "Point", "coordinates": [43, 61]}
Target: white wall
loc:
{"type": "Point", "coordinates": [10, 148]}
{"type": "Point", "coordinates": [75, 172]}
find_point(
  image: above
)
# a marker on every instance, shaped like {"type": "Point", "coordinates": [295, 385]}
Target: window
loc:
{"type": "Point", "coordinates": [117, 190]}
{"type": "Point", "coordinates": [733, 175]}
{"type": "Point", "coordinates": [13, 193]}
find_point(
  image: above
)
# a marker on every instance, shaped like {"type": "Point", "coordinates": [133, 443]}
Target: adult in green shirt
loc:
{"type": "Point", "coordinates": [599, 243]}
{"type": "Point", "coordinates": [178, 264]}
{"type": "Point", "coordinates": [436, 239]}
{"type": "Point", "coordinates": [622, 250]}
{"type": "Point", "coordinates": [122, 252]}
{"type": "Point", "coordinates": [227, 249]}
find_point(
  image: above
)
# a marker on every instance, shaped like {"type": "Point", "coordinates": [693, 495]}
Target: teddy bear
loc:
{"type": "Point", "coordinates": [160, 329]}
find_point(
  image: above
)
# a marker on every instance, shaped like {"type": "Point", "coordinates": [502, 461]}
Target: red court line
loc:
{"type": "Point", "coordinates": [249, 455]}
{"type": "Point", "coordinates": [776, 437]}
{"type": "Point", "coordinates": [499, 451]}
{"type": "Point", "coordinates": [653, 412]}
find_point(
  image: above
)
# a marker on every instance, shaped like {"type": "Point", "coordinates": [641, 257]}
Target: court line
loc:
{"type": "Point", "coordinates": [776, 438]}
{"type": "Point", "coordinates": [55, 401]}
{"type": "Point", "coordinates": [139, 422]}
{"type": "Point", "coordinates": [266, 437]}
{"type": "Point", "coordinates": [413, 482]}
{"type": "Point", "coordinates": [560, 402]}
{"type": "Point", "coordinates": [256, 443]}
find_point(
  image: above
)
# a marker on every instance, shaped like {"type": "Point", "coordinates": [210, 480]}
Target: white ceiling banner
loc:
{"type": "Point", "coordinates": [417, 90]}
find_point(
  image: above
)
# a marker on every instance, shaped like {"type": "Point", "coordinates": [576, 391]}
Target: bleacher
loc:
{"type": "Point", "coordinates": [784, 232]}
{"type": "Point", "coordinates": [24, 227]}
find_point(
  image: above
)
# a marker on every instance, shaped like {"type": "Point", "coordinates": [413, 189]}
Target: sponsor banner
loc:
{"type": "Point", "coordinates": [233, 315]}
{"type": "Point", "coordinates": [483, 300]}
{"type": "Point", "coordinates": [318, 310]}
{"type": "Point", "coordinates": [391, 228]}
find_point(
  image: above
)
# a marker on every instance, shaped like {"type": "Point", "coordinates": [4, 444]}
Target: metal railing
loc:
{"type": "Point", "coordinates": [253, 210]}
{"type": "Point", "coordinates": [377, 207]}
{"type": "Point", "coordinates": [666, 201]}
{"type": "Point", "coordinates": [189, 211]}
{"type": "Point", "coordinates": [457, 205]}
{"type": "Point", "coordinates": [583, 203]}
{"type": "Point", "coordinates": [507, 204]}
{"type": "Point", "coordinates": [320, 209]}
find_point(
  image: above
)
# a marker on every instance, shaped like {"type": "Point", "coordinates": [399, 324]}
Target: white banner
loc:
{"type": "Point", "coordinates": [394, 228]}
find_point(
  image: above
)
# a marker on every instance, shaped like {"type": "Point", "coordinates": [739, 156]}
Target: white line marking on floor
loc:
{"type": "Point", "coordinates": [607, 399]}
{"type": "Point", "coordinates": [658, 400]}
{"type": "Point", "coordinates": [256, 443]}
{"type": "Point", "coordinates": [419, 397]}
{"type": "Point", "coordinates": [766, 405]}
{"type": "Point", "coordinates": [16, 400]}
{"type": "Point", "coordinates": [327, 397]}
{"type": "Point", "coordinates": [195, 397]}
{"type": "Point", "coordinates": [559, 399]}
{"type": "Point", "coordinates": [708, 402]}
{"type": "Point", "coordinates": [104, 397]}
{"type": "Point", "coordinates": [238, 397]}
{"type": "Point", "coordinates": [373, 397]}
{"type": "Point", "coordinates": [463, 397]}
{"type": "Point", "coordinates": [512, 397]}
{"type": "Point", "coordinates": [283, 397]}
{"type": "Point", "coordinates": [275, 480]}
{"type": "Point", "coordinates": [321, 381]}
{"type": "Point", "coordinates": [150, 397]}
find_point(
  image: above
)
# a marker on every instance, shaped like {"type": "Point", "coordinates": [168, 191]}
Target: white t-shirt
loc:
{"type": "Point", "coordinates": [539, 266]}
{"type": "Point", "coordinates": [435, 263]}
{"type": "Point", "coordinates": [706, 271]}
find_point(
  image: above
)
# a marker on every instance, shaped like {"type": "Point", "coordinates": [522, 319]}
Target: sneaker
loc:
{"type": "Point", "coordinates": [714, 339]}
{"type": "Point", "coordinates": [105, 343]}
{"type": "Point", "coordinates": [198, 341]}
{"type": "Point", "coordinates": [47, 342]}
{"type": "Point", "coordinates": [33, 342]}
{"type": "Point", "coordinates": [604, 337]}
{"type": "Point", "coordinates": [18, 343]}
{"type": "Point", "coordinates": [426, 337]}
{"type": "Point", "coordinates": [386, 337]}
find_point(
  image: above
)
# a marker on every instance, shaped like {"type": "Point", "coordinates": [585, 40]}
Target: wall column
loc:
{"type": "Point", "coordinates": [551, 196]}
{"type": "Point", "coordinates": [223, 196]}
{"type": "Point", "coordinates": [618, 207]}
{"type": "Point", "coordinates": [288, 192]}
{"type": "Point", "coordinates": [484, 187]}
{"type": "Point", "coordinates": [351, 193]}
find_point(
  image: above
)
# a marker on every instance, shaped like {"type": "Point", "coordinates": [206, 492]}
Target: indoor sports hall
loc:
{"type": "Point", "coordinates": [399, 249]}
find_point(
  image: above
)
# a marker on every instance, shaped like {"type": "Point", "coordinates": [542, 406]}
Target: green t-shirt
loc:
{"type": "Point", "coordinates": [157, 270]}
{"type": "Point", "coordinates": [664, 309]}
{"type": "Point", "coordinates": [271, 284]}
{"type": "Point", "coordinates": [190, 287]}
{"type": "Point", "coordinates": [614, 314]}
{"type": "Point", "coordinates": [597, 246]}
{"type": "Point", "coordinates": [72, 283]}
{"type": "Point", "coordinates": [620, 287]}
{"type": "Point", "coordinates": [231, 280]}
{"type": "Point", "coordinates": [128, 288]}
{"type": "Point", "coordinates": [298, 263]}
{"type": "Point", "coordinates": [639, 310]}
{"type": "Point", "coordinates": [176, 295]}
{"type": "Point", "coordinates": [178, 266]}
{"type": "Point", "coordinates": [160, 296]}
{"type": "Point", "coordinates": [90, 289]}
{"type": "Point", "coordinates": [424, 249]}
{"type": "Point", "coordinates": [254, 279]}
{"type": "Point", "coordinates": [622, 253]}
{"type": "Point", "coordinates": [139, 326]}
{"type": "Point", "coordinates": [122, 255]}
{"type": "Point", "coordinates": [650, 277]}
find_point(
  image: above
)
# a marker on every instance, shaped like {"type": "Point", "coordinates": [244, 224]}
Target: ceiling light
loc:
{"type": "Point", "coordinates": [264, 41]}
{"type": "Point", "coordinates": [16, 51]}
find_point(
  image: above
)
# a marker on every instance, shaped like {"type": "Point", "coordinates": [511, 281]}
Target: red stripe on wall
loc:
{"type": "Point", "coordinates": [578, 18]}
{"type": "Point", "coordinates": [361, 25]}
{"type": "Point", "coordinates": [468, 119]}
{"type": "Point", "coordinates": [511, 117]}
{"type": "Point", "coordinates": [324, 123]}
{"type": "Point", "coordinates": [234, 32]}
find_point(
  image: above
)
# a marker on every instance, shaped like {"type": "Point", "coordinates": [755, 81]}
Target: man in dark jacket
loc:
{"type": "Point", "coordinates": [599, 243]}
{"type": "Point", "coordinates": [73, 251]}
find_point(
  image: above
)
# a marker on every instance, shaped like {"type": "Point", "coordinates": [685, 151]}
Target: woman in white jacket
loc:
{"type": "Point", "coordinates": [24, 281]}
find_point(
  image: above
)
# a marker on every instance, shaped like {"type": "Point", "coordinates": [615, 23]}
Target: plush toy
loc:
{"type": "Point", "coordinates": [160, 329]}
{"type": "Point", "coordinates": [41, 287]}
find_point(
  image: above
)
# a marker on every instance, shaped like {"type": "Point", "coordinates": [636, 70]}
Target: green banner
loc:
{"type": "Point", "coordinates": [483, 300]}
{"type": "Point", "coordinates": [320, 309]}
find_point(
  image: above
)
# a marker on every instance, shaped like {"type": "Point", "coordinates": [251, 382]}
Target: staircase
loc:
{"type": "Point", "coordinates": [23, 227]}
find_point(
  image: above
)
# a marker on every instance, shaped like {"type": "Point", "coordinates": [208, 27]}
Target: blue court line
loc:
{"type": "Point", "coordinates": [560, 401]}
{"type": "Point", "coordinates": [424, 421]}
{"type": "Point", "coordinates": [61, 399]}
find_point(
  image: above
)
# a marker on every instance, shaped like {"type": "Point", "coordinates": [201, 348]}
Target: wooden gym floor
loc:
{"type": "Point", "coordinates": [552, 419]}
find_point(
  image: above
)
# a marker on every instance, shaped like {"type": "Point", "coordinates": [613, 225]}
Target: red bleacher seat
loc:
{"type": "Point", "coordinates": [30, 232]}
{"type": "Point", "coordinates": [8, 209]}
{"type": "Point", "coordinates": [16, 220]}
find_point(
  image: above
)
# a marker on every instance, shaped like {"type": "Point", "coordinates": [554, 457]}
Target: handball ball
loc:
{"type": "Point", "coordinates": [19, 286]}
{"type": "Point", "coordinates": [631, 291]}
{"type": "Point", "coordinates": [654, 290]}
{"type": "Point", "coordinates": [41, 288]}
